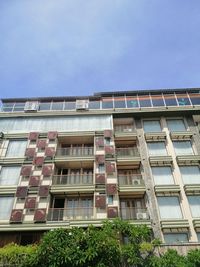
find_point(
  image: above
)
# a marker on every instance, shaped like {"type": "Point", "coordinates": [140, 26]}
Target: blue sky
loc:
{"type": "Point", "coordinates": [78, 47]}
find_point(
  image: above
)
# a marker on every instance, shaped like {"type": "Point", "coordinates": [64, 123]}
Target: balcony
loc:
{"type": "Point", "coordinates": [131, 183]}
{"type": "Point", "coordinates": [134, 214]}
{"type": "Point", "coordinates": [128, 155]}
{"type": "Point", "coordinates": [61, 215]}
{"type": "Point", "coordinates": [125, 132]}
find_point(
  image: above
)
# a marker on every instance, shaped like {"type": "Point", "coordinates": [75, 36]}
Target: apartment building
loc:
{"type": "Point", "coordinates": [75, 161]}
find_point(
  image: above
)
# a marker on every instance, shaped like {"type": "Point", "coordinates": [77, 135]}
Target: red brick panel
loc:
{"type": "Point", "coordinates": [41, 143]}
{"type": "Point", "coordinates": [43, 190]}
{"type": "Point", "coordinates": [34, 181]}
{"type": "Point", "coordinates": [30, 152]}
{"type": "Point", "coordinates": [30, 203]}
{"type": "Point", "coordinates": [16, 216]}
{"type": "Point", "coordinates": [100, 201]}
{"type": "Point", "coordinates": [109, 150]}
{"type": "Point", "coordinates": [22, 191]}
{"type": "Point", "coordinates": [40, 215]}
{"type": "Point", "coordinates": [52, 135]}
{"type": "Point", "coordinates": [110, 167]}
{"type": "Point", "coordinates": [100, 178]}
{"type": "Point", "coordinates": [112, 212]}
{"type": "Point", "coordinates": [100, 159]}
{"type": "Point", "coordinates": [108, 133]}
{"type": "Point", "coordinates": [99, 141]}
{"type": "Point", "coordinates": [38, 161]}
{"type": "Point", "coordinates": [50, 152]}
{"type": "Point", "coordinates": [33, 136]}
{"type": "Point", "coordinates": [26, 170]}
{"type": "Point", "coordinates": [47, 170]}
{"type": "Point", "coordinates": [111, 189]}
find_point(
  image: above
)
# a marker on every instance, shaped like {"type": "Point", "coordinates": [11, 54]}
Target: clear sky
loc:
{"type": "Point", "coordinates": [78, 47]}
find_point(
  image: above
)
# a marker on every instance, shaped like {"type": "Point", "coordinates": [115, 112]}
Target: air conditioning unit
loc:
{"type": "Point", "coordinates": [128, 130]}
{"type": "Point", "coordinates": [82, 104]}
{"type": "Point", "coordinates": [136, 182]}
{"type": "Point", "coordinates": [141, 216]}
{"type": "Point", "coordinates": [31, 106]}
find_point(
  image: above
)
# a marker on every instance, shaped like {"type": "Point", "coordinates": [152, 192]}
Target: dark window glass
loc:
{"type": "Point", "coordinates": [45, 106]}
{"type": "Point", "coordinates": [144, 101]}
{"type": "Point", "coordinates": [120, 103]}
{"type": "Point", "coordinates": [107, 104]}
{"type": "Point", "coordinates": [94, 105]}
{"type": "Point", "coordinates": [157, 101]}
{"type": "Point", "coordinates": [19, 106]}
{"type": "Point", "coordinates": [195, 98]}
{"type": "Point", "coordinates": [183, 100]}
{"type": "Point", "coordinates": [170, 100]}
{"type": "Point", "coordinates": [57, 106]}
{"type": "Point", "coordinates": [132, 102]}
{"type": "Point", "coordinates": [7, 107]}
{"type": "Point", "coordinates": [70, 105]}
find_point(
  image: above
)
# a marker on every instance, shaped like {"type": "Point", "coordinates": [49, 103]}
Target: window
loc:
{"type": "Point", "coordinates": [170, 100]}
{"type": "Point", "coordinates": [16, 148]}
{"type": "Point", "coordinates": [190, 174]}
{"type": "Point", "coordinates": [198, 236]}
{"type": "Point", "coordinates": [157, 100]}
{"type": "Point", "coordinates": [176, 238]}
{"type": "Point", "coordinates": [162, 175]}
{"type": "Point", "coordinates": [169, 208]}
{"type": "Point", "coordinates": [176, 125]}
{"type": "Point", "coordinates": [157, 149]}
{"type": "Point", "coordinates": [110, 200]}
{"type": "Point", "coordinates": [183, 148]}
{"type": "Point", "coordinates": [6, 204]}
{"type": "Point", "coordinates": [194, 202]}
{"type": "Point", "coordinates": [9, 175]}
{"type": "Point", "coordinates": [145, 101]}
{"type": "Point", "coordinates": [152, 126]}
{"type": "Point", "coordinates": [101, 168]}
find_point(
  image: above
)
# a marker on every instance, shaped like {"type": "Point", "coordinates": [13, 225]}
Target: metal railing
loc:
{"type": "Point", "coordinates": [134, 214]}
{"type": "Point", "coordinates": [131, 179]}
{"type": "Point", "coordinates": [127, 152]}
{"type": "Point", "coordinates": [75, 151]}
{"type": "Point", "coordinates": [72, 179]}
{"type": "Point", "coordinates": [124, 128]}
{"type": "Point", "coordinates": [56, 214]}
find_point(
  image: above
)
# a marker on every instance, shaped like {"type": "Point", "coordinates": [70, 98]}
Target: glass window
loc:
{"type": "Point", "coordinates": [183, 148]}
{"type": "Point", "coordinates": [10, 175]}
{"type": "Point", "coordinates": [57, 106]}
{"type": "Point", "coordinates": [157, 100]}
{"type": "Point", "coordinates": [194, 202]}
{"type": "Point", "coordinates": [70, 105]}
{"type": "Point", "coordinates": [145, 101]}
{"type": "Point", "coordinates": [169, 208]}
{"type": "Point", "coordinates": [157, 149]}
{"type": "Point", "coordinates": [195, 99]}
{"type": "Point", "coordinates": [170, 100]}
{"type": "Point", "coordinates": [132, 102]}
{"type": "Point", "coordinates": [176, 238]}
{"type": "Point", "coordinates": [8, 107]}
{"type": "Point", "coordinates": [119, 102]}
{"type": "Point", "coordinates": [152, 126]}
{"type": "Point", "coordinates": [190, 174]}
{"type": "Point", "coordinates": [16, 149]}
{"type": "Point", "coordinates": [19, 106]}
{"type": "Point", "coordinates": [176, 125]}
{"type": "Point", "coordinates": [101, 168]}
{"type": "Point", "coordinates": [107, 103]}
{"type": "Point", "coordinates": [6, 205]}
{"type": "Point", "coordinates": [198, 236]}
{"type": "Point", "coordinates": [110, 200]}
{"type": "Point", "coordinates": [45, 106]}
{"type": "Point", "coordinates": [94, 105]}
{"type": "Point", "coordinates": [183, 100]}
{"type": "Point", "coordinates": [162, 175]}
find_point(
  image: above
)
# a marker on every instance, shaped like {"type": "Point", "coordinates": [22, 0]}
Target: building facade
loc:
{"type": "Point", "coordinates": [75, 161]}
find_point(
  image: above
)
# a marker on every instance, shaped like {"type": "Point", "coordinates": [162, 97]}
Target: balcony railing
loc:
{"type": "Point", "coordinates": [127, 152]}
{"type": "Point", "coordinates": [57, 214]}
{"type": "Point", "coordinates": [124, 128]}
{"type": "Point", "coordinates": [72, 179]}
{"type": "Point", "coordinates": [132, 179]}
{"type": "Point", "coordinates": [75, 151]}
{"type": "Point", "coordinates": [134, 214]}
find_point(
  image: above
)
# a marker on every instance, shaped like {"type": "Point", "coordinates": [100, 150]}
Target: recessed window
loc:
{"type": "Point", "coordinates": [198, 236]}
{"type": "Point", "coordinates": [157, 149]}
{"type": "Point", "coordinates": [101, 168]}
{"type": "Point", "coordinates": [176, 238]}
{"type": "Point", "coordinates": [176, 125]}
{"type": "Point", "coordinates": [183, 148]}
{"type": "Point", "coordinates": [110, 200]}
{"type": "Point", "coordinates": [152, 126]}
{"type": "Point", "coordinates": [157, 101]}
{"type": "Point", "coordinates": [10, 175]}
{"type": "Point", "coordinates": [6, 205]}
{"type": "Point", "coordinates": [190, 174]}
{"type": "Point", "coordinates": [132, 102]}
{"type": "Point", "coordinates": [144, 101]}
{"type": "Point", "coordinates": [194, 202]}
{"type": "Point", "coordinates": [16, 148]}
{"type": "Point", "coordinates": [170, 100]}
{"type": "Point", "coordinates": [169, 208]}
{"type": "Point", "coordinates": [162, 175]}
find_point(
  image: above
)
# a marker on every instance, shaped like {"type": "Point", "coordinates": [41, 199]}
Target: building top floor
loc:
{"type": "Point", "coordinates": [107, 101]}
